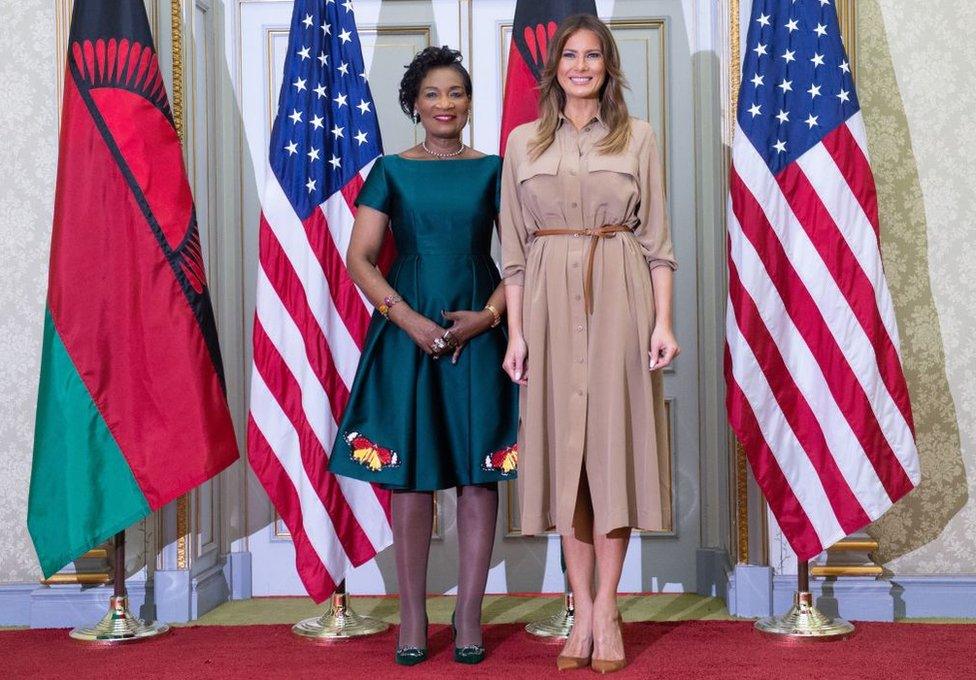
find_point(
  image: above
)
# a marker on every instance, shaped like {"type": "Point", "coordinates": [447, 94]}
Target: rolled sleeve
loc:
{"type": "Point", "coordinates": [512, 227]}
{"type": "Point", "coordinates": [654, 231]}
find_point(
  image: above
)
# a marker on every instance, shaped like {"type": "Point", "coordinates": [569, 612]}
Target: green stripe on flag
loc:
{"type": "Point", "coordinates": [82, 490]}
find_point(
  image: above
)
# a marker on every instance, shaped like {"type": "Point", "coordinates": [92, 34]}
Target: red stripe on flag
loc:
{"type": "Point", "coordinates": [856, 169]}
{"type": "Point", "coordinates": [853, 283]}
{"type": "Point", "coordinates": [341, 287]}
{"type": "Point", "coordinates": [117, 303]}
{"type": "Point", "coordinates": [279, 487]}
{"type": "Point", "coordinates": [797, 412]}
{"type": "Point", "coordinates": [792, 518]}
{"type": "Point", "coordinates": [350, 192]}
{"type": "Point", "coordinates": [844, 385]}
{"type": "Point", "coordinates": [290, 291]}
{"type": "Point", "coordinates": [287, 392]}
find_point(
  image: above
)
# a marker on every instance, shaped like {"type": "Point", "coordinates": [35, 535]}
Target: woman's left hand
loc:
{"type": "Point", "coordinates": [664, 347]}
{"type": "Point", "coordinates": [466, 325]}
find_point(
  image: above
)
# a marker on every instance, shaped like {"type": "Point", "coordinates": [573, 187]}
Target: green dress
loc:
{"type": "Point", "coordinates": [412, 422]}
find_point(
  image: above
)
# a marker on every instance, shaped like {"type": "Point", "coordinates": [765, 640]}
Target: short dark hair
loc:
{"type": "Point", "coordinates": [427, 59]}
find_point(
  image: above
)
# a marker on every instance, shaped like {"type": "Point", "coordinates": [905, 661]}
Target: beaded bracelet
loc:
{"type": "Point", "coordinates": [388, 302]}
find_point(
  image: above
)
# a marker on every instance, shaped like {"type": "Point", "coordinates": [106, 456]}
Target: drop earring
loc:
{"type": "Point", "coordinates": [416, 117]}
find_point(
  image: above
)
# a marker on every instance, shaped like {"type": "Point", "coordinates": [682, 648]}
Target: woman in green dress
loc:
{"type": "Point", "coordinates": [430, 407]}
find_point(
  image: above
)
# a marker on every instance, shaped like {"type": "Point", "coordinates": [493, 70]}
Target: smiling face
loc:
{"type": "Point", "coordinates": [443, 103]}
{"type": "Point", "coordinates": [582, 71]}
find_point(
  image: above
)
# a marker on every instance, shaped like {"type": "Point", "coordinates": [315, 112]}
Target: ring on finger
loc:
{"type": "Point", "coordinates": [438, 345]}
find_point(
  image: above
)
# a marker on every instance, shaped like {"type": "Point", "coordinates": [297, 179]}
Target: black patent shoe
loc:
{"type": "Point", "coordinates": [469, 654]}
{"type": "Point", "coordinates": [410, 656]}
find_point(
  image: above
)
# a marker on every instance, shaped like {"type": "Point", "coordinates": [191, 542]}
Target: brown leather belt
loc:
{"type": "Point", "coordinates": [595, 234]}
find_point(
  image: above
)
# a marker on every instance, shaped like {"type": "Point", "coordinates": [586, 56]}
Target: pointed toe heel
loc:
{"type": "Point", "coordinates": [470, 654]}
{"type": "Point", "coordinates": [603, 666]}
{"type": "Point", "coordinates": [572, 663]}
{"type": "Point", "coordinates": [410, 656]}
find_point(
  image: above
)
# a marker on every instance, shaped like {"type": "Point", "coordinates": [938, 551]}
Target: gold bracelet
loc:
{"type": "Point", "coordinates": [496, 318]}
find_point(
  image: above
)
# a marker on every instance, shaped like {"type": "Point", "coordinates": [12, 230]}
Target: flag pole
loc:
{"type": "Point", "coordinates": [804, 622]}
{"type": "Point", "coordinates": [339, 622]}
{"type": "Point", "coordinates": [559, 624]}
{"type": "Point", "coordinates": [119, 625]}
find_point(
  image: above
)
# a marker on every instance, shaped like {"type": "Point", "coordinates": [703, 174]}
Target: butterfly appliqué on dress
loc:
{"type": "Point", "coordinates": [504, 461]}
{"type": "Point", "coordinates": [371, 455]}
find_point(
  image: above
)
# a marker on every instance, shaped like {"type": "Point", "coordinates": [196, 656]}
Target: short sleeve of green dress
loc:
{"type": "Point", "coordinates": [412, 422]}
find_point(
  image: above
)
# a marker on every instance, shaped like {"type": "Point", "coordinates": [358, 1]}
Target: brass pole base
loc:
{"type": "Point", "coordinates": [557, 625]}
{"type": "Point", "coordinates": [339, 623]}
{"type": "Point", "coordinates": [805, 623]}
{"type": "Point", "coordinates": [119, 625]}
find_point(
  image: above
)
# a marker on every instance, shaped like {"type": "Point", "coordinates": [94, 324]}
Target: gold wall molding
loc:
{"type": "Point", "coordinates": [176, 44]}
{"type": "Point", "coordinates": [847, 15]}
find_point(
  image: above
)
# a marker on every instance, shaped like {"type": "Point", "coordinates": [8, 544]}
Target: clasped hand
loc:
{"type": "Point", "coordinates": [437, 341]}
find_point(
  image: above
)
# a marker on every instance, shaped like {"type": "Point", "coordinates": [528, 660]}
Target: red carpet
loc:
{"type": "Point", "coordinates": [672, 651]}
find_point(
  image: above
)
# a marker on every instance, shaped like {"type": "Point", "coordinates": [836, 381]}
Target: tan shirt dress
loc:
{"type": "Point", "coordinates": [590, 399]}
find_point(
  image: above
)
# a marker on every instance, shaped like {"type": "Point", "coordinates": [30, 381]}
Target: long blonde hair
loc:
{"type": "Point", "coordinates": [552, 98]}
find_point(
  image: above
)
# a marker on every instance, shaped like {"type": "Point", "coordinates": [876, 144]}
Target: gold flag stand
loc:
{"type": "Point", "coordinates": [119, 625]}
{"type": "Point", "coordinates": [339, 623]}
{"type": "Point", "coordinates": [558, 625]}
{"type": "Point", "coordinates": [804, 622]}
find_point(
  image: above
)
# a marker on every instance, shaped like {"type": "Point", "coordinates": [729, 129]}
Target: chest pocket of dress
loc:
{"type": "Point", "coordinates": [612, 183]}
{"type": "Point", "coordinates": [539, 186]}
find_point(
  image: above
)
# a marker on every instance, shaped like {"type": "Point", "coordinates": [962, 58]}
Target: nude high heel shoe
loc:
{"type": "Point", "coordinates": [573, 663]}
{"type": "Point", "coordinates": [610, 665]}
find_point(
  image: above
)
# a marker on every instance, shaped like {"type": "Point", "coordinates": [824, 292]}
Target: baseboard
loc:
{"type": "Point", "coordinates": [181, 597]}
{"type": "Point", "coordinates": [750, 591]}
{"type": "Point", "coordinates": [756, 592]}
{"type": "Point", "coordinates": [237, 572]}
{"type": "Point", "coordinates": [943, 596]}
{"type": "Point", "coordinates": [712, 572]}
{"type": "Point", "coordinates": [15, 603]}
{"type": "Point", "coordinates": [210, 589]}
{"type": "Point", "coordinates": [70, 605]}
{"type": "Point", "coordinates": [173, 597]}
{"type": "Point", "coordinates": [851, 598]}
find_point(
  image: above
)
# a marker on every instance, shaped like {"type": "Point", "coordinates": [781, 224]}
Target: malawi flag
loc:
{"type": "Point", "coordinates": [131, 410]}
{"type": "Point", "coordinates": [535, 24]}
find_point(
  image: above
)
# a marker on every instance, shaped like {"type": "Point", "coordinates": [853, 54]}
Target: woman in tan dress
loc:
{"type": "Point", "coordinates": [588, 269]}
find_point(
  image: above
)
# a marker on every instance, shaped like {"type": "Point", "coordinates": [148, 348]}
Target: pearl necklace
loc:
{"type": "Point", "coordinates": [423, 143]}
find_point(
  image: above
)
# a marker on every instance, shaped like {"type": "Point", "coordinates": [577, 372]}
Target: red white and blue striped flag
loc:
{"type": "Point", "coordinates": [310, 319]}
{"type": "Point", "coordinates": [816, 392]}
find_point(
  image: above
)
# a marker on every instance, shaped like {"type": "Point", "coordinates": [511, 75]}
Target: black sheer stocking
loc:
{"type": "Point", "coordinates": [413, 518]}
{"type": "Point", "coordinates": [477, 511]}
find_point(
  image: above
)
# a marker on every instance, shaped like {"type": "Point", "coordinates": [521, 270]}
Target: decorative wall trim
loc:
{"type": "Point", "coordinates": [176, 45]}
{"type": "Point", "coordinates": [63, 606]}
{"type": "Point", "coordinates": [712, 570]}
{"type": "Point", "coordinates": [755, 592]}
{"type": "Point", "coordinates": [180, 597]}
{"type": "Point", "coordinates": [15, 603]}
{"type": "Point", "coordinates": [237, 573]}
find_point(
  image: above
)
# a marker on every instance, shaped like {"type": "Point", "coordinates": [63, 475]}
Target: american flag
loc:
{"type": "Point", "coordinates": [816, 393]}
{"type": "Point", "coordinates": [310, 320]}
